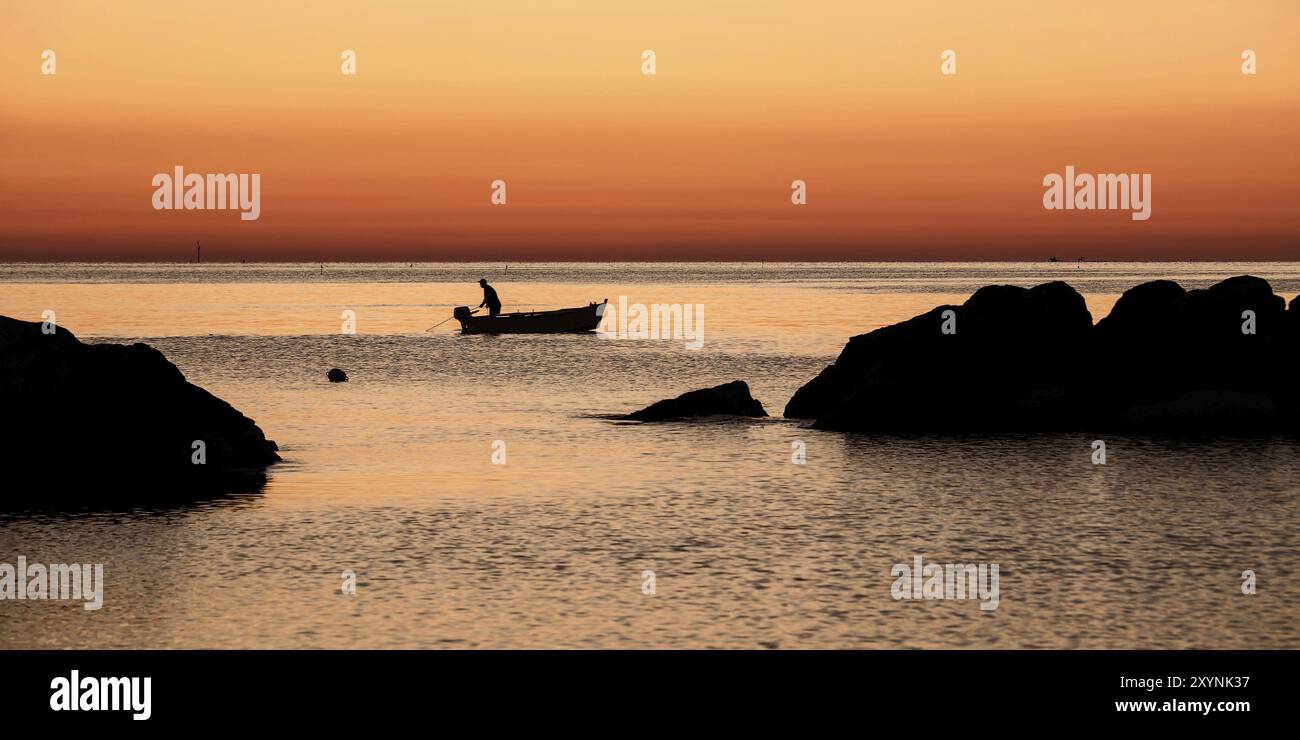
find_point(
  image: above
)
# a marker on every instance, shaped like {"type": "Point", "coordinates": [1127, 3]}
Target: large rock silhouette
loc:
{"type": "Point", "coordinates": [1161, 344]}
{"type": "Point", "coordinates": [729, 399]}
{"type": "Point", "coordinates": [1012, 355]}
{"type": "Point", "coordinates": [1164, 360]}
{"type": "Point", "coordinates": [90, 421]}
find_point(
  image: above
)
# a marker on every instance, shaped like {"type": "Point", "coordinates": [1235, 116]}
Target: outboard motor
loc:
{"type": "Point", "coordinates": [460, 313]}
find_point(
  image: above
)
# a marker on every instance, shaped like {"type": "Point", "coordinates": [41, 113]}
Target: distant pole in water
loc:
{"type": "Point", "coordinates": [198, 252]}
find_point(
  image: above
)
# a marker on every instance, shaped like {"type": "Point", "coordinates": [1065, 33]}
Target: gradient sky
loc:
{"type": "Point", "coordinates": [603, 162]}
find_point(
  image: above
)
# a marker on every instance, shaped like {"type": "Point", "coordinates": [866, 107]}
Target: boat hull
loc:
{"type": "Point", "coordinates": [563, 321]}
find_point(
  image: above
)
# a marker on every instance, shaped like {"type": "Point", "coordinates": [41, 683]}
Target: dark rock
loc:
{"type": "Point", "coordinates": [1204, 412]}
{"type": "Point", "coordinates": [731, 399]}
{"type": "Point", "coordinates": [1146, 322]}
{"type": "Point", "coordinates": [1288, 364]}
{"type": "Point", "coordinates": [1292, 323]}
{"type": "Point", "coordinates": [1225, 356]}
{"type": "Point", "coordinates": [1002, 368]}
{"type": "Point", "coordinates": [336, 375]}
{"type": "Point", "coordinates": [863, 354]}
{"type": "Point", "coordinates": [1157, 345]}
{"type": "Point", "coordinates": [1030, 360]}
{"type": "Point", "coordinates": [103, 415]}
{"type": "Point", "coordinates": [1291, 331]}
{"type": "Point", "coordinates": [1144, 311]}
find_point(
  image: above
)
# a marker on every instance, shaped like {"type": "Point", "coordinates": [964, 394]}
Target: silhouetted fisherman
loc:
{"type": "Point", "coordinates": [490, 299]}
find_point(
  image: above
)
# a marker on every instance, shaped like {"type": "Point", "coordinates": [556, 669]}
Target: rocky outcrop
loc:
{"type": "Point", "coordinates": [1001, 360]}
{"type": "Point", "coordinates": [728, 399]}
{"type": "Point", "coordinates": [1016, 359]}
{"type": "Point", "coordinates": [93, 419]}
{"type": "Point", "coordinates": [1161, 343]}
{"type": "Point", "coordinates": [336, 375]}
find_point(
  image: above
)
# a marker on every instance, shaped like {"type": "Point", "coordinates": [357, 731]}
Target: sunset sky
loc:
{"type": "Point", "coordinates": [604, 162]}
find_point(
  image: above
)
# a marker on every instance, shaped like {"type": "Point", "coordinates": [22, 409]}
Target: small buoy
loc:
{"type": "Point", "coordinates": [337, 376]}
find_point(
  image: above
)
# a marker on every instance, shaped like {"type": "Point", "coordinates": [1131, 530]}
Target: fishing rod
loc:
{"type": "Point", "coordinates": [449, 318]}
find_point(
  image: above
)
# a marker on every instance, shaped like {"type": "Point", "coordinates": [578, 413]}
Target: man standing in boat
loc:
{"type": "Point", "coordinates": [490, 298]}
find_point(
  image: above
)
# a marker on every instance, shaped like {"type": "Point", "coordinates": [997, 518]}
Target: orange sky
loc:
{"type": "Point", "coordinates": [603, 162]}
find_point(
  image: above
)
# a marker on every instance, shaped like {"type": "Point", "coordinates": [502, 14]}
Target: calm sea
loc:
{"type": "Point", "coordinates": [391, 476]}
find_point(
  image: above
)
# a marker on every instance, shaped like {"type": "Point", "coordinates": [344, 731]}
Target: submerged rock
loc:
{"type": "Point", "coordinates": [1016, 359]}
{"type": "Point", "coordinates": [92, 420]}
{"type": "Point", "coordinates": [730, 399]}
{"type": "Point", "coordinates": [336, 375]}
